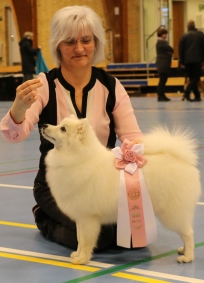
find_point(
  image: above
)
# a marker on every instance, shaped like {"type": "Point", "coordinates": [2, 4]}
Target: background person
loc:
{"type": "Point", "coordinates": [75, 87]}
{"type": "Point", "coordinates": [191, 57]}
{"type": "Point", "coordinates": [28, 54]}
{"type": "Point", "coordinates": [164, 54]}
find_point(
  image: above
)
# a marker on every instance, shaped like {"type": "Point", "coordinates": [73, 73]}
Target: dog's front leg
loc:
{"type": "Point", "coordinates": [88, 230]}
{"type": "Point", "coordinates": [187, 252]}
{"type": "Point", "coordinates": [77, 252]}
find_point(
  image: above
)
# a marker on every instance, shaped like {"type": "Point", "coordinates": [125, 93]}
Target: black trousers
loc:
{"type": "Point", "coordinates": [57, 227]}
{"type": "Point", "coordinates": [193, 72]}
{"type": "Point", "coordinates": [163, 77]}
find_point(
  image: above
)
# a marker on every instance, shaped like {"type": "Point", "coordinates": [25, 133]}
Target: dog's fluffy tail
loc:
{"type": "Point", "coordinates": [176, 142]}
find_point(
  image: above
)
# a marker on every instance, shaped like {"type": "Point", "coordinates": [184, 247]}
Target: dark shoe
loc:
{"type": "Point", "coordinates": [163, 98]}
{"type": "Point", "coordinates": [197, 99]}
{"type": "Point", "coordinates": [186, 96]}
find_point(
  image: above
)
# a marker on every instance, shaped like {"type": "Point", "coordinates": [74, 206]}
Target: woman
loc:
{"type": "Point", "coordinates": [163, 62]}
{"type": "Point", "coordinates": [28, 54]}
{"type": "Point", "coordinates": [74, 87]}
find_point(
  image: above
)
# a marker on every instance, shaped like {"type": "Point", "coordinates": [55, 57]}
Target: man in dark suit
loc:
{"type": "Point", "coordinates": [191, 56]}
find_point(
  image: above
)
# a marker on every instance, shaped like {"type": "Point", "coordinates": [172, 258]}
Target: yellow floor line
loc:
{"type": "Point", "coordinates": [49, 262]}
{"type": "Point", "coordinates": [138, 278]}
{"type": "Point", "coordinates": [52, 257]}
{"type": "Point", "coordinates": [18, 224]}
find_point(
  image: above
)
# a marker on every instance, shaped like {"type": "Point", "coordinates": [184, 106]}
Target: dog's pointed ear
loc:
{"type": "Point", "coordinates": [84, 123]}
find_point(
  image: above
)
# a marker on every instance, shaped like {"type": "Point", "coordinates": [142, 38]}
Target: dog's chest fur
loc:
{"type": "Point", "coordinates": [79, 187]}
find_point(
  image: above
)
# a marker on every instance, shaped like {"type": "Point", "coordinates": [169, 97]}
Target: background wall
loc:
{"type": "Point", "coordinates": [126, 46]}
{"type": "Point", "coordinates": [103, 9]}
{"type": "Point", "coordinates": [193, 12]}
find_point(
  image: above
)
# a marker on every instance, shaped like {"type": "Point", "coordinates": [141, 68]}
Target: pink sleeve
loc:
{"type": "Point", "coordinates": [126, 125]}
{"type": "Point", "coordinates": [18, 132]}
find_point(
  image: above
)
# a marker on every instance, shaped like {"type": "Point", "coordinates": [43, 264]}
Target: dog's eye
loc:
{"type": "Point", "coordinates": [63, 129]}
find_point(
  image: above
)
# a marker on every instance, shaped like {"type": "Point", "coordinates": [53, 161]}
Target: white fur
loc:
{"type": "Point", "coordinates": [85, 183]}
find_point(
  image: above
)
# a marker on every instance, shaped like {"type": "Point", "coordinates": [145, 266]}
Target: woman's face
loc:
{"type": "Point", "coordinates": [164, 35]}
{"type": "Point", "coordinates": [77, 52]}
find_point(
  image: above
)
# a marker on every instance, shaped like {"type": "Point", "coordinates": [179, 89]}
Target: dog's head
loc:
{"type": "Point", "coordinates": [70, 132]}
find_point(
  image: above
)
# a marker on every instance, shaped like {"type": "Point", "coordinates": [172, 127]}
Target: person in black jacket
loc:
{"type": "Point", "coordinates": [164, 54]}
{"type": "Point", "coordinates": [191, 56]}
{"type": "Point", "coordinates": [28, 54]}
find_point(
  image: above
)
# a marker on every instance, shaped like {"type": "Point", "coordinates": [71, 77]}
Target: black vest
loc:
{"type": "Point", "coordinates": [49, 114]}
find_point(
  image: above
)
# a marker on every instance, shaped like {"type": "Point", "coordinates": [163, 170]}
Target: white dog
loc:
{"type": "Point", "coordinates": [85, 183]}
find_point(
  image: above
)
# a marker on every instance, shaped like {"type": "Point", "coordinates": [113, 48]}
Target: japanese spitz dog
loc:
{"type": "Point", "coordinates": [85, 183]}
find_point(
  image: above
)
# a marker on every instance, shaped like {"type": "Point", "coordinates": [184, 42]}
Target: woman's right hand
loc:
{"type": "Point", "coordinates": [26, 95]}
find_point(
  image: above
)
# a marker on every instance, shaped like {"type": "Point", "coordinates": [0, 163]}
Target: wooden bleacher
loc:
{"type": "Point", "coordinates": [172, 81]}
{"type": "Point", "coordinates": [10, 69]}
{"type": "Point", "coordinates": [137, 78]}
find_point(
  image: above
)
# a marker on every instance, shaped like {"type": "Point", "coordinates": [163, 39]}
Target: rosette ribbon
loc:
{"type": "Point", "coordinates": [136, 220]}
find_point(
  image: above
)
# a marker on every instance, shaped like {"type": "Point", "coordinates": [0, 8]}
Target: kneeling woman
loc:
{"type": "Point", "coordinates": [74, 87]}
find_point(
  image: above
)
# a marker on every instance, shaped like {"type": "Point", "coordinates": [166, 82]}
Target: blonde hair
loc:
{"type": "Point", "coordinates": [28, 34]}
{"type": "Point", "coordinates": [68, 22]}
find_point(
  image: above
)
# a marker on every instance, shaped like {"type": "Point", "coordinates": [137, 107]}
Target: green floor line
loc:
{"type": "Point", "coordinates": [125, 266]}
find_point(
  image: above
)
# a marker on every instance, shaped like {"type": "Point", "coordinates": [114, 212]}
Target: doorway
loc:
{"type": "Point", "coordinates": [155, 14]}
{"type": "Point", "coordinates": [13, 55]}
{"type": "Point", "coordinates": [178, 8]}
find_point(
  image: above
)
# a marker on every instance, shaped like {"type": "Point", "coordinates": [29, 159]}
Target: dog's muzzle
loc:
{"type": "Point", "coordinates": [45, 134]}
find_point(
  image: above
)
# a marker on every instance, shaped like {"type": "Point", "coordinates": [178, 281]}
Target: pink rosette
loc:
{"type": "Point", "coordinates": [129, 156]}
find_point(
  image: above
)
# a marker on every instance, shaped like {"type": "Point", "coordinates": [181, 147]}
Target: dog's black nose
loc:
{"type": "Point", "coordinates": [45, 126]}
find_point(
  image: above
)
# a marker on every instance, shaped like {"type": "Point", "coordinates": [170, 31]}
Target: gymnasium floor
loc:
{"type": "Point", "coordinates": [26, 257]}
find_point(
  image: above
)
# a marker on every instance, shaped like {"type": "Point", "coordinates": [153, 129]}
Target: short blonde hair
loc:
{"type": "Point", "coordinates": [68, 22]}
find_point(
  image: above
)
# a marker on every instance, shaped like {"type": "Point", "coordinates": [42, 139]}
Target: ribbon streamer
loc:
{"type": "Point", "coordinates": [136, 218]}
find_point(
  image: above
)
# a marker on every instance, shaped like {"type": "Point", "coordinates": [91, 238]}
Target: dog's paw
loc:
{"type": "Point", "coordinates": [74, 254]}
{"type": "Point", "coordinates": [79, 260]}
{"type": "Point", "coordinates": [185, 259]}
{"type": "Point", "coordinates": [181, 250]}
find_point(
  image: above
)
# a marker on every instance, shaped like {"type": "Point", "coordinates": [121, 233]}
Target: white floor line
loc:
{"type": "Point", "coordinates": [165, 275]}
{"type": "Point", "coordinates": [16, 187]}
{"type": "Point", "coordinates": [52, 257]}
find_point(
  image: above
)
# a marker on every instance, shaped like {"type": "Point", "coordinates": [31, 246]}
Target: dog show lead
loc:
{"type": "Point", "coordinates": [75, 86]}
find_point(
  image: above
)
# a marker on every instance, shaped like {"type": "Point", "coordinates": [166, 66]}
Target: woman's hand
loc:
{"type": "Point", "coordinates": [26, 95]}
